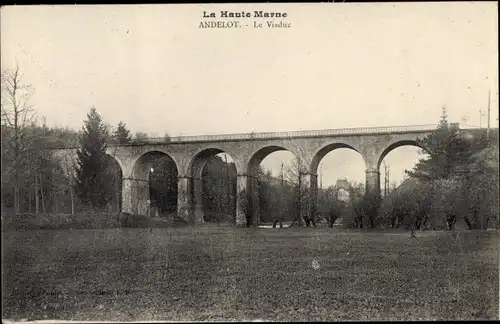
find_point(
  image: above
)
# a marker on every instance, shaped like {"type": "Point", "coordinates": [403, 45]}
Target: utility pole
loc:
{"type": "Point", "coordinates": [268, 210]}
{"type": "Point", "coordinates": [480, 118]}
{"type": "Point", "coordinates": [281, 196]}
{"type": "Point", "coordinates": [228, 211]}
{"type": "Point", "coordinates": [488, 130]}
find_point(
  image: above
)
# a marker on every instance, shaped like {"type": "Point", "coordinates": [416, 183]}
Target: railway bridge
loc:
{"type": "Point", "coordinates": [190, 153]}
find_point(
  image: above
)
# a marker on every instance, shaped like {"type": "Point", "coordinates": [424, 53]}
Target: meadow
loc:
{"type": "Point", "coordinates": [223, 273]}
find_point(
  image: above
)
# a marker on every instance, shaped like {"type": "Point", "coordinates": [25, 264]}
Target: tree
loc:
{"type": "Point", "coordinates": [68, 180]}
{"type": "Point", "coordinates": [371, 205]}
{"type": "Point", "coordinates": [448, 149]}
{"type": "Point", "coordinates": [356, 196]}
{"type": "Point", "coordinates": [449, 202]}
{"type": "Point", "coordinates": [441, 160]}
{"type": "Point", "coordinates": [387, 187]}
{"type": "Point", "coordinates": [140, 138]}
{"type": "Point", "coordinates": [63, 171]}
{"type": "Point", "coordinates": [329, 205]}
{"type": "Point", "coordinates": [300, 197]}
{"type": "Point", "coordinates": [267, 197]}
{"type": "Point", "coordinates": [163, 183]}
{"type": "Point", "coordinates": [92, 181]}
{"type": "Point", "coordinates": [219, 189]}
{"type": "Point", "coordinates": [421, 211]}
{"type": "Point", "coordinates": [448, 180]}
{"type": "Point", "coordinates": [122, 134]}
{"type": "Point", "coordinates": [399, 203]}
{"type": "Point", "coordinates": [17, 114]}
{"type": "Point", "coordinates": [480, 188]}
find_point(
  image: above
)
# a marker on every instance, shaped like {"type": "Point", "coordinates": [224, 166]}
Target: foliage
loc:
{"type": "Point", "coordinates": [219, 190]}
{"type": "Point", "coordinates": [51, 221]}
{"type": "Point", "coordinates": [122, 135]}
{"type": "Point", "coordinates": [330, 208]}
{"type": "Point", "coordinates": [447, 148]}
{"type": "Point", "coordinates": [479, 189]}
{"type": "Point", "coordinates": [356, 205]}
{"type": "Point", "coordinates": [17, 114]}
{"type": "Point", "coordinates": [300, 200]}
{"type": "Point", "coordinates": [92, 181]}
{"type": "Point", "coordinates": [140, 138]}
{"type": "Point", "coordinates": [276, 197]}
{"type": "Point", "coordinates": [370, 206]}
{"type": "Point", "coordinates": [163, 185]}
{"type": "Point", "coordinates": [456, 182]}
{"type": "Point", "coordinates": [397, 204]}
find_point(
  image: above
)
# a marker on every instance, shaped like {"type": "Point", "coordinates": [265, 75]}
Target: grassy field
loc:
{"type": "Point", "coordinates": [211, 273]}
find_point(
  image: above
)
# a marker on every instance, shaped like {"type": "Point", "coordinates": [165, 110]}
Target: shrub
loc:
{"type": "Point", "coordinates": [27, 222]}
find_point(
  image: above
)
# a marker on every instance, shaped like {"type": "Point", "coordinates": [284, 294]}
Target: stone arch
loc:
{"type": "Point", "coordinates": [258, 156]}
{"type": "Point", "coordinates": [315, 162]}
{"type": "Point", "coordinates": [140, 168]}
{"type": "Point", "coordinates": [112, 152]}
{"type": "Point", "coordinates": [395, 145]}
{"type": "Point", "coordinates": [117, 179]}
{"type": "Point", "coordinates": [200, 159]}
{"type": "Point", "coordinates": [118, 162]}
{"type": "Point", "coordinates": [195, 185]}
{"type": "Point", "coordinates": [324, 150]}
{"type": "Point", "coordinates": [136, 188]}
{"type": "Point", "coordinates": [253, 216]}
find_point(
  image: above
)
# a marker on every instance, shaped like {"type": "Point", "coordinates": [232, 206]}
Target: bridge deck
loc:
{"type": "Point", "coordinates": [289, 135]}
{"type": "Point", "coordinates": [297, 134]}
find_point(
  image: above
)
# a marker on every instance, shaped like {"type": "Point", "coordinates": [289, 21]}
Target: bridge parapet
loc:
{"type": "Point", "coordinates": [382, 130]}
{"type": "Point", "coordinates": [296, 134]}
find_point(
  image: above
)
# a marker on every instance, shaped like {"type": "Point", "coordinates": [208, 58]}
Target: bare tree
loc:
{"type": "Point", "coordinates": [17, 114]}
{"type": "Point", "coordinates": [330, 205]}
{"type": "Point", "coordinates": [300, 198]}
{"type": "Point", "coordinates": [356, 195]}
{"type": "Point", "coordinates": [401, 204]}
{"type": "Point", "coordinates": [386, 179]}
{"type": "Point", "coordinates": [68, 165]}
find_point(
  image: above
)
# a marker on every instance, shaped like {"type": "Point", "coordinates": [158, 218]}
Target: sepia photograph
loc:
{"type": "Point", "coordinates": [250, 162]}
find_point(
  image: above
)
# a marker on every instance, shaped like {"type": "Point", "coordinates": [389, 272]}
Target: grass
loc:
{"type": "Point", "coordinates": [221, 273]}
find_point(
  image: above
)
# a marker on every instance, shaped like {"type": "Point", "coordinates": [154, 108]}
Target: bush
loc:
{"type": "Point", "coordinates": [26, 222]}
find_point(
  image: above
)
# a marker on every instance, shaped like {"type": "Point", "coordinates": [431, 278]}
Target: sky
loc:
{"type": "Point", "coordinates": [338, 65]}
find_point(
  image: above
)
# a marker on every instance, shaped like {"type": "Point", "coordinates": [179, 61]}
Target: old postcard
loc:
{"type": "Point", "coordinates": [250, 162]}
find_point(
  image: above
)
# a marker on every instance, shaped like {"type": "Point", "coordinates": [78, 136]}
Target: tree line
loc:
{"type": "Point", "coordinates": [458, 181]}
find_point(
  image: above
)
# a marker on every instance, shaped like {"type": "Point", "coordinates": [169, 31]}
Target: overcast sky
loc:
{"type": "Point", "coordinates": [339, 65]}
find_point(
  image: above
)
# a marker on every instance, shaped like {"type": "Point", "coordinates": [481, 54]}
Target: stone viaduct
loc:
{"type": "Point", "coordinates": [190, 153]}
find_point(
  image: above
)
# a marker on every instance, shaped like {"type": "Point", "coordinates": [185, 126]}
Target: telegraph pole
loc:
{"type": "Point", "coordinates": [488, 129]}
{"type": "Point", "coordinates": [281, 197]}
{"type": "Point", "coordinates": [228, 188]}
